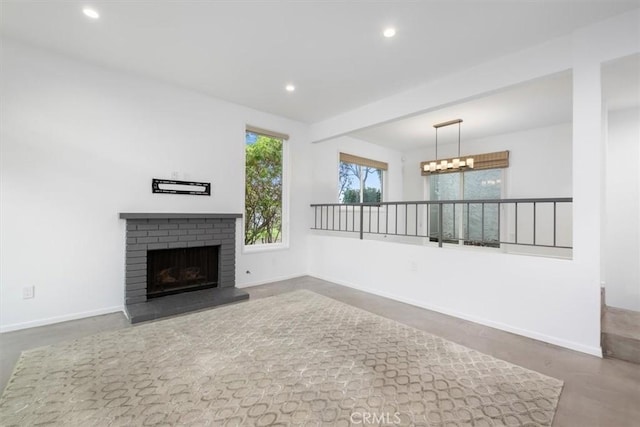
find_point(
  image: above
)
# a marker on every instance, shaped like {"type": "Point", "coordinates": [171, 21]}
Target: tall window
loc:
{"type": "Point", "coordinates": [475, 224]}
{"type": "Point", "coordinates": [264, 159]}
{"type": "Point", "coordinates": [360, 179]}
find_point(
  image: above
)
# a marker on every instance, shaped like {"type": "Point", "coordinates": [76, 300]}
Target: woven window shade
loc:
{"type": "Point", "coordinates": [362, 161]}
{"type": "Point", "coordinates": [265, 132]}
{"type": "Point", "coordinates": [499, 159]}
{"type": "Point", "coordinates": [495, 160]}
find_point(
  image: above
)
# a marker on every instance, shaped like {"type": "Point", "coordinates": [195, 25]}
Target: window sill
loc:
{"type": "Point", "coordinates": [270, 247]}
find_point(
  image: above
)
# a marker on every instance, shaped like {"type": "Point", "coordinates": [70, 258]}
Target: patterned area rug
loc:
{"type": "Point", "coordinates": [299, 359]}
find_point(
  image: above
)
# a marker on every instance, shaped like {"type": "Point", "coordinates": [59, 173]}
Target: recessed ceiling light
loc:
{"type": "Point", "coordinates": [91, 13]}
{"type": "Point", "coordinates": [290, 88]}
{"type": "Point", "coordinates": [389, 32]}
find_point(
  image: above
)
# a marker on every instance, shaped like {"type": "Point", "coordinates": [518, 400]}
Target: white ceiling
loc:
{"type": "Point", "coordinates": [333, 51]}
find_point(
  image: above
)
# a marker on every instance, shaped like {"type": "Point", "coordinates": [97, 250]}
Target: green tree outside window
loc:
{"type": "Point", "coordinates": [263, 189]}
{"type": "Point", "coordinates": [357, 182]}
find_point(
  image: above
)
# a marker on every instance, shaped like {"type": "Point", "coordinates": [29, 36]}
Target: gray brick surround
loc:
{"type": "Point", "coordinates": [146, 232]}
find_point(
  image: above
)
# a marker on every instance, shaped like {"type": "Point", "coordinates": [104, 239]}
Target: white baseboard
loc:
{"type": "Point", "coordinates": [74, 316]}
{"type": "Point", "coordinates": [594, 351]}
{"type": "Point", "coordinates": [270, 280]}
{"type": "Point", "coordinates": [58, 319]}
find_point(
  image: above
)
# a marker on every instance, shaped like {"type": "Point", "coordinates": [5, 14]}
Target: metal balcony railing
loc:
{"type": "Point", "coordinates": [541, 222]}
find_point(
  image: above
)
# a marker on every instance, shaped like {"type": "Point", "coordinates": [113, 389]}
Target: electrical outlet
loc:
{"type": "Point", "coordinates": [414, 266]}
{"type": "Point", "coordinates": [28, 292]}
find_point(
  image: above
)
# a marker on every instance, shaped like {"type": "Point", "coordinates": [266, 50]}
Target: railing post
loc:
{"type": "Point", "coordinates": [361, 220]}
{"type": "Point", "coordinates": [440, 206]}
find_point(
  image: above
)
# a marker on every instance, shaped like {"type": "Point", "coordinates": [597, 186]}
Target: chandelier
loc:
{"type": "Point", "coordinates": [437, 166]}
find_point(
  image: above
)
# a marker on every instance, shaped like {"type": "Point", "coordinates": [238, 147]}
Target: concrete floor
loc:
{"type": "Point", "coordinates": [597, 392]}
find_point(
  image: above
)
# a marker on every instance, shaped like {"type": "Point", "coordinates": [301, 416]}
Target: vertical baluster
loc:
{"type": "Point", "coordinates": [428, 219]}
{"type": "Point", "coordinates": [333, 218]}
{"type": "Point", "coordinates": [454, 220]}
{"type": "Point", "coordinates": [361, 220]}
{"type": "Point", "coordinates": [353, 218]}
{"type": "Point", "coordinates": [468, 209]}
{"type": "Point", "coordinates": [516, 242]}
{"type": "Point", "coordinates": [378, 221]}
{"type": "Point", "coordinates": [554, 223]}
{"type": "Point", "coordinates": [499, 226]}
{"type": "Point", "coordinates": [346, 218]}
{"type": "Point", "coordinates": [369, 218]}
{"type": "Point", "coordinates": [386, 219]}
{"type": "Point", "coordinates": [534, 223]}
{"type": "Point", "coordinates": [416, 219]}
{"type": "Point", "coordinates": [315, 217]}
{"type": "Point", "coordinates": [406, 219]}
{"type": "Point", "coordinates": [440, 205]}
{"type": "Point", "coordinates": [482, 239]}
{"type": "Point", "coordinates": [395, 229]}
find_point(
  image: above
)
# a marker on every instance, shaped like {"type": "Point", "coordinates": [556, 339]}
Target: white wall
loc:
{"type": "Point", "coordinates": [622, 236]}
{"type": "Point", "coordinates": [326, 162]}
{"type": "Point", "coordinates": [79, 144]}
{"type": "Point", "coordinates": [526, 295]}
{"type": "Point", "coordinates": [325, 184]}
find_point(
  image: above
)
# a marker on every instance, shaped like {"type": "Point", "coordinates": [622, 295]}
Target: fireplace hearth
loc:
{"type": "Point", "coordinates": [179, 262]}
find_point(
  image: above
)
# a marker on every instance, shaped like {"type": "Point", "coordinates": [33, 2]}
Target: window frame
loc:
{"type": "Point", "coordinates": [464, 242]}
{"type": "Point", "coordinates": [363, 162]}
{"type": "Point", "coordinates": [285, 235]}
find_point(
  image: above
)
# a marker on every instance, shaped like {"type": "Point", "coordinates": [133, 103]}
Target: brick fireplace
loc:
{"type": "Point", "coordinates": [150, 236]}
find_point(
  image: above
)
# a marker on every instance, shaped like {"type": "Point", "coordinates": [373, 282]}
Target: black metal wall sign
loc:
{"type": "Point", "coordinates": [169, 186]}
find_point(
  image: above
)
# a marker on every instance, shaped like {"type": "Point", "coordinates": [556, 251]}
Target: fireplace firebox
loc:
{"type": "Point", "coordinates": [171, 271]}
